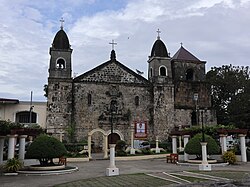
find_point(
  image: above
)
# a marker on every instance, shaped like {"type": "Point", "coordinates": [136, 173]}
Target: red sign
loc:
{"type": "Point", "coordinates": [140, 130]}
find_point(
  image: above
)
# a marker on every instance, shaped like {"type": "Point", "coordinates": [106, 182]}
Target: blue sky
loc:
{"type": "Point", "coordinates": [216, 31]}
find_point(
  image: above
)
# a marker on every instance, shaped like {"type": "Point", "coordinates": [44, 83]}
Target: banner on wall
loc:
{"type": "Point", "coordinates": [140, 130]}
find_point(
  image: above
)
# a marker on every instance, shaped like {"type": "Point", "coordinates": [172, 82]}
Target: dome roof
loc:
{"type": "Point", "coordinates": [61, 40]}
{"type": "Point", "coordinates": [159, 49]}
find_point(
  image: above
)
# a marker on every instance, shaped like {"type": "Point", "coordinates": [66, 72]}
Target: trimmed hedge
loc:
{"type": "Point", "coordinates": [45, 148]}
{"type": "Point", "coordinates": [193, 147]}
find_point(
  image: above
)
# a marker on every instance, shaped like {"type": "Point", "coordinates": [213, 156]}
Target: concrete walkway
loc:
{"type": "Point", "coordinates": [97, 169]}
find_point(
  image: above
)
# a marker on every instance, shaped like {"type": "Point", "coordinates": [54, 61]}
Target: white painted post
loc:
{"type": "Point", "coordinates": [112, 170]}
{"type": "Point", "coordinates": [89, 146]}
{"type": "Point", "coordinates": [174, 144]}
{"type": "Point", "coordinates": [21, 147]}
{"type": "Point", "coordinates": [224, 139]}
{"type": "Point", "coordinates": [157, 150]}
{"type": "Point", "coordinates": [204, 166]}
{"type": "Point", "coordinates": [132, 150]}
{"type": "Point", "coordinates": [1, 148]}
{"type": "Point", "coordinates": [11, 146]}
{"type": "Point", "coordinates": [243, 148]}
{"type": "Point", "coordinates": [105, 146]}
{"type": "Point", "coordinates": [185, 139]}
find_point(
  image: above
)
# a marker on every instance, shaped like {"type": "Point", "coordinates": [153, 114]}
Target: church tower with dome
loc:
{"type": "Point", "coordinates": [112, 95]}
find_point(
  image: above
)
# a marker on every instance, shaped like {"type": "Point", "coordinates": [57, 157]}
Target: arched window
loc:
{"type": "Point", "coordinates": [136, 100]}
{"type": "Point", "coordinates": [89, 99]}
{"type": "Point", "coordinates": [60, 64]}
{"type": "Point", "coordinates": [151, 72]}
{"type": "Point", "coordinates": [190, 75]}
{"type": "Point", "coordinates": [25, 117]}
{"type": "Point", "coordinates": [163, 71]}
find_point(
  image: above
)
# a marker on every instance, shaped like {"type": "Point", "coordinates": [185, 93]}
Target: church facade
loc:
{"type": "Point", "coordinates": [112, 96]}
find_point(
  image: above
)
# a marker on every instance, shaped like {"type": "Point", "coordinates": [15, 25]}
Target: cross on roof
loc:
{"type": "Point", "coordinates": [62, 21]}
{"type": "Point", "coordinates": [113, 44]}
{"type": "Point", "coordinates": [181, 44]}
{"type": "Point", "coordinates": [158, 31]}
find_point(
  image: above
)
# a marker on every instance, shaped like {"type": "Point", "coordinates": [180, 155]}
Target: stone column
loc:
{"type": "Point", "coordinates": [11, 146]}
{"type": "Point", "coordinates": [112, 170]}
{"type": "Point", "coordinates": [157, 150]}
{"type": "Point", "coordinates": [243, 147]}
{"type": "Point", "coordinates": [132, 150]}
{"type": "Point", "coordinates": [185, 139]}
{"type": "Point", "coordinates": [89, 146]}
{"type": "Point", "coordinates": [105, 146]}
{"type": "Point", "coordinates": [174, 144]}
{"type": "Point", "coordinates": [1, 148]}
{"type": "Point", "coordinates": [180, 144]}
{"type": "Point", "coordinates": [21, 147]}
{"type": "Point", "coordinates": [223, 139]}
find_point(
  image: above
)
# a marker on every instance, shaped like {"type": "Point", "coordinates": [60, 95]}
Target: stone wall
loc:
{"type": "Point", "coordinates": [59, 105]}
{"type": "Point", "coordinates": [96, 114]}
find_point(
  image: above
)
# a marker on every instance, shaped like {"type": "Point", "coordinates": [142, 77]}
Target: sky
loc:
{"type": "Point", "coordinates": [216, 31]}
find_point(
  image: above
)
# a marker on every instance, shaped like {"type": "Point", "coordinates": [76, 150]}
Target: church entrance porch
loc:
{"type": "Point", "coordinates": [113, 138]}
{"type": "Point", "coordinates": [103, 145]}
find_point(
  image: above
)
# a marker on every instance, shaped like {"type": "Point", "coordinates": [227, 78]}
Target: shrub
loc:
{"type": "Point", "coordinates": [146, 151]}
{"type": "Point", "coordinates": [193, 147]}
{"type": "Point", "coordinates": [120, 145]}
{"type": "Point", "coordinates": [229, 157]}
{"type": "Point", "coordinates": [13, 165]}
{"type": "Point", "coordinates": [45, 148]}
{"type": "Point", "coordinates": [121, 153]}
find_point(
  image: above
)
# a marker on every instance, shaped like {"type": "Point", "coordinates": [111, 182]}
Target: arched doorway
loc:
{"type": "Point", "coordinates": [115, 137]}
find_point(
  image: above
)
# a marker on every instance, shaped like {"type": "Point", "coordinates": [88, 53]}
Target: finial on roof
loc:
{"type": "Point", "coordinates": [181, 44]}
{"type": "Point", "coordinates": [112, 55]}
{"type": "Point", "coordinates": [158, 31]}
{"type": "Point", "coordinates": [62, 21]}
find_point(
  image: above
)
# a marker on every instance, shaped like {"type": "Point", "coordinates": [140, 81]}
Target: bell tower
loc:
{"type": "Point", "coordinates": [60, 56]}
{"type": "Point", "coordinates": [159, 62]}
{"type": "Point", "coordinates": [59, 101]}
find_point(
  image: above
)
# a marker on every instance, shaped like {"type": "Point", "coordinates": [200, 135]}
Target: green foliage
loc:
{"type": "Point", "coordinates": [45, 89]}
{"type": "Point", "coordinates": [71, 132]}
{"type": "Point", "coordinates": [7, 126]}
{"type": "Point", "coordinates": [45, 148]}
{"type": "Point", "coordinates": [231, 94]}
{"type": "Point", "coordinates": [13, 165]}
{"type": "Point", "coordinates": [210, 130]}
{"type": "Point", "coordinates": [229, 157]}
{"type": "Point", "coordinates": [121, 153]}
{"type": "Point", "coordinates": [120, 145]}
{"type": "Point", "coordinates": [193, 147]}
{"type": "Point", "coordinates": [146, 151]}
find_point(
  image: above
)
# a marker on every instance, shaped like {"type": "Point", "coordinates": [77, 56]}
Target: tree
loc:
{"type": "Point", "coordinates": [45, 89]}
{"type": "Point", "coordinates": [231, 94]}
{"type": "Point", "coordinates": [193, 147]}
{"type": "Point", "coordinates": [45, 148]}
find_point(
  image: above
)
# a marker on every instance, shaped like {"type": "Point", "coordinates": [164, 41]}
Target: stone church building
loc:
{"type": "Point", "coordinates": [112, 95]}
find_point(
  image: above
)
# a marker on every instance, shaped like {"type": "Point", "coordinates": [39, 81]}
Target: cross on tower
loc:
{"type": "Point", "coordinates": [62, 21]}
{"type": "Point", "coordinates": [113, 44]}
{"type": "Point", "coordinates": [158, 31]}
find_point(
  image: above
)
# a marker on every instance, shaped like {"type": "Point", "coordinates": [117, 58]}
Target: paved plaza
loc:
{"type": "Point", "coordinates": [97, 168]}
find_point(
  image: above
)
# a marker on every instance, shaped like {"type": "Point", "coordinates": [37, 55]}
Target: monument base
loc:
{"type": "Point", "coordinates": [132, 151]}
{"type": "Point", "coordinates": [112, 171]}
{"type": "Point", "coordinates": [157, 150]}
{"type": "Point", "coordinates": [205, 167]}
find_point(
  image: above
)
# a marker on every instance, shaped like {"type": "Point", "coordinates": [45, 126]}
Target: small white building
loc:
{"type": "Point", "coordinates": [23, 112]}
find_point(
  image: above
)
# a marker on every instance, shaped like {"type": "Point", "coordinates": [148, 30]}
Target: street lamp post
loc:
{"type": "Point", "coordinates": [112, 170]}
